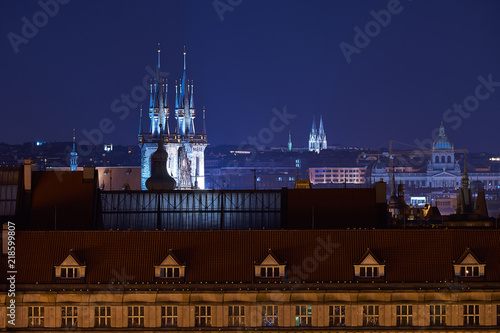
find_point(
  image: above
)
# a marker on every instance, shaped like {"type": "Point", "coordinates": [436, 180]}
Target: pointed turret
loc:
{"type": "Point", "coordinates": [73, 156]}
{"type": "Point", "coordinates": [204, 124]}
{"type": "Point", "coordinates": [289, 141]}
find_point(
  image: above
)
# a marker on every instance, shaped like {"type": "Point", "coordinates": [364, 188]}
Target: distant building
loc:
{"type": "Point", "coordinates": [442, 170]}
{"type": "Point", "coordinates": [185, 146]}
{"type": "Point", "coordinates": [337, 175]}
{"type": "Point", "coordinates": [317, 138]}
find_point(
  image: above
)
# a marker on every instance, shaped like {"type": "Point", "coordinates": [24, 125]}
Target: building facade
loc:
{"type": "Point", "coordinates": [185, 146]}
{"type": "Point", "coordinates": [296, 281]}
{"type": "Point", "coordinates": [337, 175]}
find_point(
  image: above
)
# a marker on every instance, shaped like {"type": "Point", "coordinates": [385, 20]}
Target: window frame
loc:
{"type": "Point", "coordinates": [38, 319]}
{"type": "Point", "coordinates": [270, 318]}
{"type": "Point", "coordinates": [69, 316]}
{"type": "Point", "coordinates": [236, 318]}
{"type": "Point", "coordinates": [334, 315]}
{"type": "Point", "coordinates": [467, 316]}
{"type": "Point", "coordinates": [303, 315]}
{"type": "Point", "coordinates": [441, 314]}
{"type": "Point", "coordinates": [371, 319]}
{"type": "Point", "coordinates": [404, 315]}
{"type": "Point", "coordinates": [135, 318]}
{"type": "Point", "coordinates": [202, 316]}
{"type": "Point", "coordinates": [102, 320]}
{"type": "Point", "coordinates": [169, 320]}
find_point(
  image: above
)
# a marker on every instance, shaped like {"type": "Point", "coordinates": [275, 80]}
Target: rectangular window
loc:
{"type": "Point", "coordinates": [369, 271]}
{"type": "Point", "coordinates": [404, 315]}
{"type": "Point", "coordinates": [270, 315]}
{"type": "Point", "coordinates": [498, 315]}
{"type": "Point", "coordinates": [70, 272]}
{"type": "Point", "coordinates": [170, 272]}
{"type": "Point", "coordinates": [102, 316]}
{"type": "Point", "coordinates": [203, 316]}
{"type": "Point", "coordinates": [370, 315]}
{"type": "Point", "coordinates": [69, 316]}
{"type": "Point", "coordinates": [469, 271]}
{"type": "Point", "coordinates": [169, 316]}
{"type": "Point", "coordinates": [438, 315]}
{"type": "Point", "coordinates": [303, 315]}
{"type": "Point", "coordinates": [135, 316]}
{"type": "Point", "coordinates": [337, 315]}
{"type": "Point", "coordinates": [471, 314]}
{"type": "Point", "coordinates": [237, 315]}
{"type": "Point", "coordinates": [35, 316]}
{"type": "Point", "coordinates": [270, 272]}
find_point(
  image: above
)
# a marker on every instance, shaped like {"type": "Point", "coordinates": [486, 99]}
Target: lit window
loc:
{"type": "Point", "coordinates": [102, 316]}
{"type": "Point", "coordinates": [270, 315]}
{"type": "Point", "coordinates": [135, 316]}
{"type": "Point", "coordinates": [303, 315]}
{"type": "Point", "coordinates": [280, 179]}
{"type": "Point", "coordinates": [404, 315]}
{"type": "Point", "coordinates": [370, 315]}
{"type": "Point", "coordinates": [169, 272]}
{"type": "Point", "coordinates": [469, 271]}
{"type": "Point", "coordinates": [203, 316]}
{"type": "Point", "coordinates": [236, 315]}
{"type": "Point", "coordinates": [369, 271]}
{"type": "Point", "coordinates": [269, 272]}
{"type": "Point", "coordinates": [168, 316]}
{"type": "Point", "coordinates": [70, 272]}
{"type": "Point", "coordinates": [36, 316]}
{"type": "Point", "coordinates": [258, 179]}
{"type": "Point", "coordinates": [69, 316]}
{"type": "Point", "coordinates": [337, 315]}
{"type": "Point", "coordinates": [471, 314]}
{"type": "Point", "coordinates": [438, 315]}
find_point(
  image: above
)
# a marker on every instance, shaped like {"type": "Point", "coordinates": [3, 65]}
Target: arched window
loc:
{"type": "Point", "coordinates": [442, 159]}
{"type": "Point", "coordinates": [449, 159]}
{"type": "Point", "coordinates": [437, 159]}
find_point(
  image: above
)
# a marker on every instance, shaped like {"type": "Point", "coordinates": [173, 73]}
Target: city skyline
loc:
{"type": "Point", "coordinates": [376, 71]}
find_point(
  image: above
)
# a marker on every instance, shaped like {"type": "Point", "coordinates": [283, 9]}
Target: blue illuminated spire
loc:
{"type": "Point", "coordinates": [73, 156]}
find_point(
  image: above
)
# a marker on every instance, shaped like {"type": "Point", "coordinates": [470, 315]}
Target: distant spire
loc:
{"type": "Point", "coordinates": [73, 156]}
{"type": "Point", "coordinates": [204, 124]}
{"type": "Point", "coordinates": [289, 140]}
{"type": "Point", "coordinates": [191, 93]}
{"type": "Point", "coordinates": [321, 130]}
{"type": "Point", "coordinates": [159, 51]}
{"type": "Point", "coordinates": [140, 121]}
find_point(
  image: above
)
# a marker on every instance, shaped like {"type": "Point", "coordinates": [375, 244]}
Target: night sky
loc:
{"type": "Point", "coordinates": [248, 57]}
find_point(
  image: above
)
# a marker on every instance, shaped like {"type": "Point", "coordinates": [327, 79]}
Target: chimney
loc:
{"type": "Point", "coordinates": [29, 167]}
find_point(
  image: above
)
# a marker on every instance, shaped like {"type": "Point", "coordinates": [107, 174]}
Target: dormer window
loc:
{"type": "Point", "coordinates": [270, 268]}
{"type": "Point", "coordinates": [170, 268]}
{"type": "Point", "coordinates": [468, 265]}
{"type": "Point", "coordinates": [369, 266]}
{"type": "Point", "coordinates": [369, 271]}
{"type": "Point", "coordinates": [71, 267]}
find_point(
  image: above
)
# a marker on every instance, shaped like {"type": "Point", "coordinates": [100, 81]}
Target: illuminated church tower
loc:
{"type": "Point", "coordinates": [317, 138]}
{"type": "Point", "coordinates": [185, 147]}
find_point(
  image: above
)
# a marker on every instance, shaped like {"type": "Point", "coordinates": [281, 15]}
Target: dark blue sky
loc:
{"type": "Point", "coordinates": [262, 55]}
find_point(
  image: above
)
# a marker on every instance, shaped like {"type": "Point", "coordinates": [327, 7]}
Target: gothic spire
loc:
{"type": "Point", "coordinates": [204, 124]}
{"type": "Point", "coordinates": [140, 121]}
{"type": "Point", "coordinates": [321, 130]}
{"type": "Point", "coordinates": [73, 156]}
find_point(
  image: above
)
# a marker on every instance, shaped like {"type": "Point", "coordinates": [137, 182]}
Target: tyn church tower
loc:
{"type": "Point", "coordinates": [185, 146]}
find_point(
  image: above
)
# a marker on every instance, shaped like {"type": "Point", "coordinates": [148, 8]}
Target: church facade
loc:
{"type": "Point", "coordinates": [317, 137]}
{"type": "Point", "coordinates": [184, 145]}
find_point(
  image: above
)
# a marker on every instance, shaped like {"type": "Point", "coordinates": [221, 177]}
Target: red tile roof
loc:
{"type": "Point", "coordinates": [210, 256]}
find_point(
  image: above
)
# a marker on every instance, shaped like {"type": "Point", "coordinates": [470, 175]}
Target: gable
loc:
{"type": "Point", "coordinates": [443, 174]}
{"type": "Point", "coordinates": [369, 260]}
{"type": "Point", "coordinates": [169, 261]}
{"type": "Point", "coordinates": [269, 261]}
{"type": "Point", "coordinates": [70, 261]}
{"type": "Point", "coordinates": [469, 259]}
